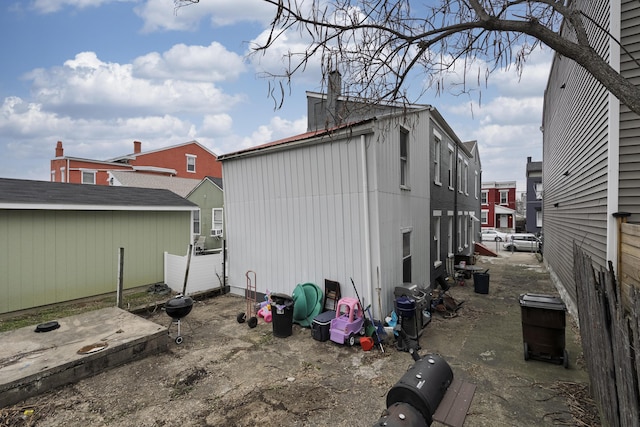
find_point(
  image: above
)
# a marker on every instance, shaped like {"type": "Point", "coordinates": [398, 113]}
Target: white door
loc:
{"type": "Point", "coordinates": [504, 221]}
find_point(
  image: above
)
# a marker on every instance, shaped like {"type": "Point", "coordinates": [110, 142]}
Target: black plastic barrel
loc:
{"type": "Point", "coordinates": [282, 315]}
{"type": "Point", "coordinates": [423, 386]}
{"type": "Point", "coordinates": [481, 282]}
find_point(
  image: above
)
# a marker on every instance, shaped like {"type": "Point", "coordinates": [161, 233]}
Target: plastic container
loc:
{"type": "Point", "coordinates": [321, 325]}
{"type": "Point", "coordinates": [282, 315]}
{"type": "Point", "coordinates": [481, 283]}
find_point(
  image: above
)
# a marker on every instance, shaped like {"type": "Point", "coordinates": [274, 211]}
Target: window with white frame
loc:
{"type": "Point", "coordinates": [538, 190]}
{"type": "Point", "coordinates": [196, 222]}
{"type": "Point", "coordinates": [451, 160]}
{"type": "Point", "coordinates": [539, 219]}
{"type": "Point", "coordinates": [450, 235]}
{"type": "Point", "coordinates": [63, 176]}
{"type": "Point", "coordinates": [484, 197]}
{"type": "Point", "coordinates": [88, 177]}
{"type": "Point", "coordinates": [459, 174]}
{"type": "Point", "coordinates": [436, 237]}
{"type": "Point", "coordinates": [466, 178]}
{"type": "Point", "coordinates": [475, 184]}
{"type": "Point", "coordinates": [406, 256]}
{"type": "Point", "coordinates": [404, 158]}
{"type": "Point", "coordinates": [465, 225]}
{"type": "Point", "coordinates": [484, 217]}
{"type": "Point", "coordinates": [191, 163]}
{"type": "Point", "coordinates": [437, 153]}
{"type": "Point", "coordinates": [217, 222]}
{"type": "Point", "coordinates": [504, 197]}
{"type": "Point", "coordinates": [53, 176]}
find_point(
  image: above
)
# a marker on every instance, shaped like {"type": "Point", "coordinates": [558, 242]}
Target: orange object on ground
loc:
{"type": "Point", "coordinates": [366, 343]}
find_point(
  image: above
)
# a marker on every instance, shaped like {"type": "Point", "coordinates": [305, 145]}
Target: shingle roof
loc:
{"type": "Point", "coordinates": [56, 195]}
{"type": "Point", "coordinates": [180, 186]}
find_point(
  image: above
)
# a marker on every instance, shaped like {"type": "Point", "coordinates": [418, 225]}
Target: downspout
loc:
{"type": "Point", "coordinates": [367, 239]}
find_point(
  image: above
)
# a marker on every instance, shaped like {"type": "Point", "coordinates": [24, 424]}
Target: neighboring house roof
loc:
{"type": "Point", "coordinates": [25, 194]}
{"type": "Point", "coordinates": [180, 186]}
{"type": "Point", "coordinates": [134, 155]}
{"type": "Point", "coordinates": [504, 210]}
{"type": "Point", "coordinates": [215, 181]}
{"type": "Point", "coordinates": [534, 167]}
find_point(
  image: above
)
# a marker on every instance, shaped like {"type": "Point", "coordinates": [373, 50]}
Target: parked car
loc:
{"type": "Point", "coordinates": [493, 235]}
{"type": "Point", "coordinates": [523, 242]}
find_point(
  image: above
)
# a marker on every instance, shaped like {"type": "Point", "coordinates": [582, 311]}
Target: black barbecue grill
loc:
{"type": "Point", "coordinates": [178, 308]}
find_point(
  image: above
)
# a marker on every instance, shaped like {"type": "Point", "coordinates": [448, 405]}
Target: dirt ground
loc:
{"type": "Point", "coordinates": [226, 374]}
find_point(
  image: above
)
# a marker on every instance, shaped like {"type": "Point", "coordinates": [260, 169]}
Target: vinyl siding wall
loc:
{"type": "Point", "coordinates": [297, 216]}
{"type": "Point", "coordinates": [56, 256]}
{"type": "Point", "coordinates": [575, 160]}
{"type": "Point", "coordinates": [629, 193]}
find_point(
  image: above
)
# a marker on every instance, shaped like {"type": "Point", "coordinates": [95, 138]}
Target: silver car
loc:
{"type": "Point", "coordinates": [490, 234]}
{"type": "Point", "coordinates": [522, 242]}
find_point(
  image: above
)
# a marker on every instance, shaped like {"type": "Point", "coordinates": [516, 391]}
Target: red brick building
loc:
{"type": "Point", "coordinates": [188, 160]}
{"type": "Point", "coordinates": [498, 205]}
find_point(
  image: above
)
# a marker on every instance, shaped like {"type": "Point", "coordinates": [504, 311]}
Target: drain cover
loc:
{"type": "Point", "coordinates": [93, 348]}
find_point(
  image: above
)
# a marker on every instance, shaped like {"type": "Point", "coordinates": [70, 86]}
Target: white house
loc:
{"type": "Point", "coordinates": [351, 202]}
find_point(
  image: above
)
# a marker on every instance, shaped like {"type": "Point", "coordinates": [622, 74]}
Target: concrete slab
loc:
{"type": "Point", "coordinates": [31, 362]}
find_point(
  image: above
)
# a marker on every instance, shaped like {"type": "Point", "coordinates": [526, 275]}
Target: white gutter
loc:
{"type": "Point", "coordinates": [367, 239]}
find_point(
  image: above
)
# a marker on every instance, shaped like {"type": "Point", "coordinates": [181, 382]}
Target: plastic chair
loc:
{"type": "Point", "coordinates": [331, 294]}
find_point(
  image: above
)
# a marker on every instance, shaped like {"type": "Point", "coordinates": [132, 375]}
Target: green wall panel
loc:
{"type": "Point", "coordinates": [55, 256]}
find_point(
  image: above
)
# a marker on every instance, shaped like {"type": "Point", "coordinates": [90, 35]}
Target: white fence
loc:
{"type": "Point", "coordinates": [205, 272]}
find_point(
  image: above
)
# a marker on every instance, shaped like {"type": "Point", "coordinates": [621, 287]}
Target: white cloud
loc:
{"type": "Point", "coordinates": [211, 63]}
{"type": "Point", "coordinates": [52, 6]}
{"type": "Point", "coordinates": [218, 124]}
{"type": "Point", "coordinates": [162, 15]}
{"type": "Point", "coordinates": [87, 86]}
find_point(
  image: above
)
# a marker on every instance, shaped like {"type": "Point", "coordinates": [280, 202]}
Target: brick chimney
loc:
{"type": "Point", "coordinates": [137, 147]}
{"type": "Point", "coordinates": [59, 149]}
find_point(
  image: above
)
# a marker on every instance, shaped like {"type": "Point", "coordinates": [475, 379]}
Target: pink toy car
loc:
{"type": "Point", "coordinates": [349, 322]}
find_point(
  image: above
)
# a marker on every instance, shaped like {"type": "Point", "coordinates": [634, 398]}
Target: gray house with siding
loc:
{"type": "Point", "coordinates": [60, 241]}
{"type": "Point", "coordinates": [350, 198]}
{"type": "Point", "coordinates": [591, 148]}
{"type": "Point", "coordinates": [534, 197]}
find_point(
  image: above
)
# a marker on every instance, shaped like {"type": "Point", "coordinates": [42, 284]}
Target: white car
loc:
{"type": "Point", "coordinates": [492, 235]}
{"type": "Point", "coordinates": [522, 242]}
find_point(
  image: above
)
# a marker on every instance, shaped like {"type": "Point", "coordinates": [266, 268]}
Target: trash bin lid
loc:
{"type": "Point", "coordinates": [547, 302]}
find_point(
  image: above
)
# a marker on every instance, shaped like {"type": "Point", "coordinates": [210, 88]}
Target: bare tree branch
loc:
{"type": "Point", "coordinates": [378, 45]}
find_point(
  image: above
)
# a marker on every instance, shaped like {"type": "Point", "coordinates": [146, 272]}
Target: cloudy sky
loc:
{"type": "Point", "coordinates": [99, 74]}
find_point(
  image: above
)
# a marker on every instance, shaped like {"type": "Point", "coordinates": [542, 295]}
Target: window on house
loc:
{"type": "Point", "coordinates": [436, 237]}
{"type": "Point", "coordinates": [191, 163]}
{"type": "Point", "coordinates": [450, 236]}
{"type": "Point", "coordinates": [484, 217]}
{"type": "Point", "coordinates": [217, 222]}
{"type": "Point", "coordinates": [436, 157]}
{"type": "Point", "coordinates": [404, 158]}
{"type": "Point", "coordinates": [466, 178]}
{"type": "Point", "coordinates": [53, 176]}
{"type": "Point", "coordinates": [539, 219]}
{"type": "Point", "coordinates": [504, 197]}
{"type": "Point", "coordinates": [538, 190]}
{"type": "Point", "coordinates": [88, 177]}
{"type": "Point", "coordinates": [484, 197]}
{"type": "Point", "coordinates": [475, 184]}
{"type": "Point", "coordinates": [406, 256]}
{"type": "Point", "coordinates": [196, 222]}
{"type": "Point", "coordinates": [450, 177]}
{"type": "Point", "coordinates": [459, 174]}
{"type": "Point", "coordinates": [63, 176]}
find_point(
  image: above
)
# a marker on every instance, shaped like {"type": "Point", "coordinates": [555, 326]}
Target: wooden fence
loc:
{"type": "Point", "coordinates": [610, 332]}
{"type": "Point", "coordinates": [629, 265]}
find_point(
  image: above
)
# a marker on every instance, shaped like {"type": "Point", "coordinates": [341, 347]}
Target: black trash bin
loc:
{"type": "Point", "coordinates": [282, 315]}
{"type": "Point", "coordinates": [543, 328]}
{"type": "Point", "coordinates": [481, 282]}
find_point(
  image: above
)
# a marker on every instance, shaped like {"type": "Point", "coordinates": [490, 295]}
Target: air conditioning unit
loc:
{"type": "Point", "coordinates": [216, 232]}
